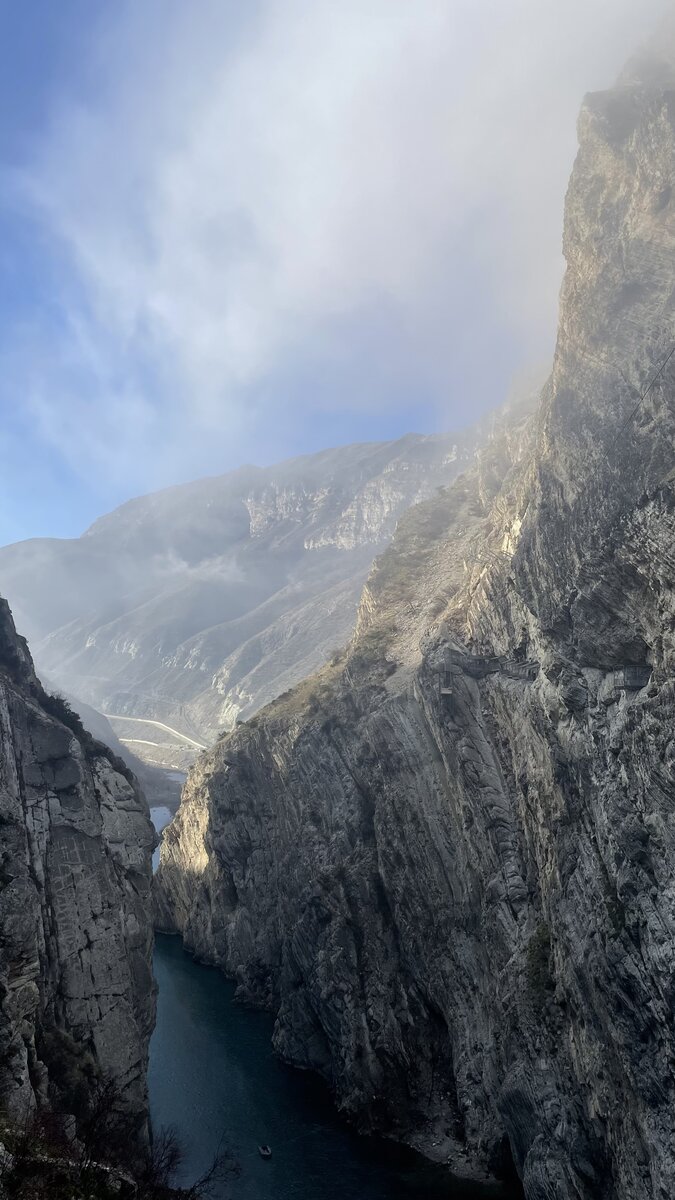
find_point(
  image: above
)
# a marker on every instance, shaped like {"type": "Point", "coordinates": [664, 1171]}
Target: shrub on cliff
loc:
{"type": "Point", "coordinates": [38, 1161]}
{"type": "Point", "coordinates": [57, 706]}
{"type": "Point", "coordinates": [73, 1072]}
{"type": "Point", "coordinates": [10, 659]}
{"type": "Point", "coordinates": [371, 648]}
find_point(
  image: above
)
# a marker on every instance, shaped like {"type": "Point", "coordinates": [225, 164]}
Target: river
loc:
{"type": "Point", "coordinates": [214, 1078]}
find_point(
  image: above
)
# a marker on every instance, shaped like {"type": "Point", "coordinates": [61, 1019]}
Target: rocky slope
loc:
{"type": "Point", "coordinates": [447, 861]}
{"type": "Point", "coordinates": [76, 988]}
{"type": "Point", "coordinates": [198, 604]}
{"type": "Point", "coordinates": [160, 786]}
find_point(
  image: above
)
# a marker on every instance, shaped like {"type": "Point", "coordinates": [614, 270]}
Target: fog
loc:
{"type": "Point", "coordinates": [285, 224]}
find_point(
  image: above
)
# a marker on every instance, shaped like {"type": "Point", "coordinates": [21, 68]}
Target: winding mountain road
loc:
{"type": "Point", "coordinates": [158, 725]}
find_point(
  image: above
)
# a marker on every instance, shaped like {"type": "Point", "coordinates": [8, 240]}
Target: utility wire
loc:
{"type": "Point", "coordinates": [606, 362]}
{"type": "Point", "coordinates": [646, 392]}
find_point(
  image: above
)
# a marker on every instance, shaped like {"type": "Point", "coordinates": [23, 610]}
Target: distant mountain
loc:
{"type": "Point", "coordinates": [200, 603]}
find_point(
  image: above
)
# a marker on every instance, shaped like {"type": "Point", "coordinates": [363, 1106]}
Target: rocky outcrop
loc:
{"type": "Point", "coordinates": [199, 604]}
{"type": "Point", "coordinates": [447, 863]}
{"type": "Point", "coordinates": [75, 938]}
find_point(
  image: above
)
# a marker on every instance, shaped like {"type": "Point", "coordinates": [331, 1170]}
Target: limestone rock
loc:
{"type": "Point", "coordinates": [75, 873]}
{"type": "Point", "coordinates": [446, 863]}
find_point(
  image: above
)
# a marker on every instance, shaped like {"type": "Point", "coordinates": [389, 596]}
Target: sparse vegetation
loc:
{"type": "Point", "coordinates": [316, 695]}
{"type": "Point", "coordinates": [40, 1160]}
{"type": "Point", "coordinates": [10, 659]}
{"type": "Point", "coordinates": [438, 605]}
{"type": "Point", "coordinates": [312, 695]}
{"type": "Point", "coordinates": [371, 648]}
{"type": "Point", "coordinates": [397, 571]}
{"type": "Point", "coordinates": [73, 1072]}
{"type": "Point", "coordinates": [57, 706]}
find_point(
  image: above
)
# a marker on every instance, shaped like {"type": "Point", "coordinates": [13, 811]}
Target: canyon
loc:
{"type": "Point", "coordinates": [425, 690]}
{"type": "Point", "coordinates": [445, 861]}
{"type": "Point", "coordinates": [186, 610]}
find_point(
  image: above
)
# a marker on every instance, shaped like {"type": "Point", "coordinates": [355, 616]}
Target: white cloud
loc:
{"type": "Point", "coordinates": [238, 193]}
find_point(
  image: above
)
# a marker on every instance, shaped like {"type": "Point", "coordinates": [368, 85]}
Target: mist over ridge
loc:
{"type": "Point", "coordinates": [262, 231]}
{"type": "Point", "coordinates": [398, 699]}
{"type": "Point", "coordinates": [195, 605]}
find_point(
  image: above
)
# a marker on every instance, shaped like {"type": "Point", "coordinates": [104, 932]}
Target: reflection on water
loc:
{"type": "Point", "coordinates": [214, 1077]}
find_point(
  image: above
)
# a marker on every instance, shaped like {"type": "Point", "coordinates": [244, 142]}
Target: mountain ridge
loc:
{"type": "Point", "coordinates": [199, 603]}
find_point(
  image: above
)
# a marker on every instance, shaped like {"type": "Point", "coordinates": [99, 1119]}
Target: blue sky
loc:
{"type": "Point", "coordinates": [237, 233]}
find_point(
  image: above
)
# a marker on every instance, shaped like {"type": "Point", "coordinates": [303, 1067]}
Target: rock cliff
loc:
{"type": "Point", "coordinates": [199, 604]}
{"type": "Point", "coordinates": [75, 873]}
{"type": "Point", "coordinates": [447, 862]}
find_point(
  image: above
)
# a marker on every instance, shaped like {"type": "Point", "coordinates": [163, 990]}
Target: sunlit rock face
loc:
{"type": "Point", "coordinates": [447, 862]}
{"type": "Point", "coordinates": [197, 605]}
{"type": "Point", "coordinates": [76, 940]}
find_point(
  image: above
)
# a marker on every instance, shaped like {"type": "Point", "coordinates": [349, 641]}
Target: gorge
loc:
{"type": "Point", "coordinates": [445, 862]}
{"type": "Point", "coordinates": [194, 606]}
{"type": "Point", "coordinates": [420, 884]}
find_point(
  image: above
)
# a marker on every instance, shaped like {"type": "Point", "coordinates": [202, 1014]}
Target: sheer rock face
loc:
{"type": "Point", "coordinates": [461, 906]}
{"type": "Point", "coordinates": [75, 873]}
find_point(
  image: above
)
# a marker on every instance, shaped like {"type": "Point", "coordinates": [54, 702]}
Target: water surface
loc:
{"type": "Point", "coordinates": [214, 1077]}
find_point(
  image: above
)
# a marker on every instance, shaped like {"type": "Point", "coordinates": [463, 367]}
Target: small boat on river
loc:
{"type": "Point", "coordinates": [265, 1151]}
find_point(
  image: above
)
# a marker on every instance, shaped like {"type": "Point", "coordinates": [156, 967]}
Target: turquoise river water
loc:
{"type": "Point", "coordinates": [213, 1077]}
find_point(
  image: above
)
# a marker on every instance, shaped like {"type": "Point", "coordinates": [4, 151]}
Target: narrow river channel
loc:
{"type": "Point", "coordinates": [214, 1078]}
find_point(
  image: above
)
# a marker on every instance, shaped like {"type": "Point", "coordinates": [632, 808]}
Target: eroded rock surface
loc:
{"type": "Point", "coordinates": [447, 863]}
{"type": "Point", "coordinates": [75, 936]}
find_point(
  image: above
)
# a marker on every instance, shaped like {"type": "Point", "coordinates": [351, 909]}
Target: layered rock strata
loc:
{"type": "Point", "coordinates": [75, 873]}
{"type": "Point", "coordinates": [447, 863]}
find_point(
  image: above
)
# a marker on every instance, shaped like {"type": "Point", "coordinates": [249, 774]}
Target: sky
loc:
{"type": "Point", "coordinates": [239, 232]}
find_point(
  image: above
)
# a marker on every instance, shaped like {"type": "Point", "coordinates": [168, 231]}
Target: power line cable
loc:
{"type": "Point", "coordinates": [646, 392]}
{"type": "Point", "coordinates": [605, 362]}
